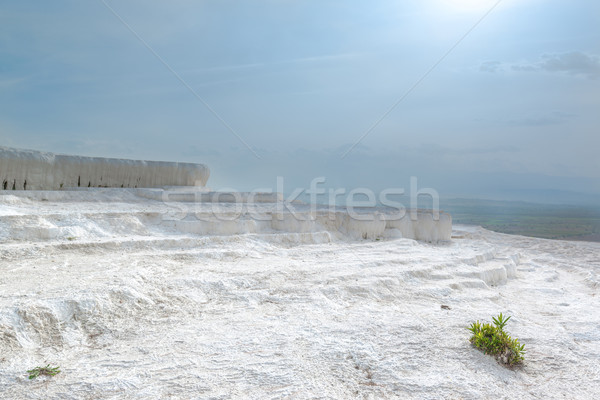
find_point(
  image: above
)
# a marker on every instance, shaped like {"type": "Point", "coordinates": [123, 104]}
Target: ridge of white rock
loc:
{"type": "Point", "coordinates": [36, 170]}
{"type": "Point", "coordinates": [49, 215]}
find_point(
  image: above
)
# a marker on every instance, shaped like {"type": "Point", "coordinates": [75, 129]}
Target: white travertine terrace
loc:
{"type": "Point", "coordinates": [180, 187]}
{"type": "Point", "coordinates": [36, 170]}
{"type": "Point", "coordinates": [143, 297]}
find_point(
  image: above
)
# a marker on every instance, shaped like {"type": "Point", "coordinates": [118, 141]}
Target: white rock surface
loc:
{"type": "Point", "coordinates": [134, 300]}
{"type": "Point", "coordinates": [199, 212]}
{"type": "Point", "coordinates": [36, 170]}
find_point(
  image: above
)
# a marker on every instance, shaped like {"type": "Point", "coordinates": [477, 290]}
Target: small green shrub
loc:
{"type": "Point", "coordinates": [47, 370]}
{"type": "Point", "coordinates": [492, 339]}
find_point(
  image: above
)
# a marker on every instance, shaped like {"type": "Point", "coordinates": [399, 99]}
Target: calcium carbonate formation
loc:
{"type": "Point", "coordinates": [179, 201]}
{"type": "Point", "coordinates": [36, 170]}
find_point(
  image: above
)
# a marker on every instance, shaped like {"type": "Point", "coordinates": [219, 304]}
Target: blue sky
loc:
{"type": "Point", "coordinates": [514, 108]}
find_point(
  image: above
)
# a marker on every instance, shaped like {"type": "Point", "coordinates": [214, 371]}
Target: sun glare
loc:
{"type": "Point", "coordinates": [468, 5]}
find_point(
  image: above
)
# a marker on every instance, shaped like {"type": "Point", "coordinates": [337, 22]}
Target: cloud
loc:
{"type": "Point", "coordinates": [490, 66]}
{"type": "Point", "coordinates": [554, 118]}
{"type": "Point", "coordinates": [267, 64]}
{"type": "Point", "coordinates": [5, 83]}
{"type": "Point", "coordinates": [572, 63]}
{"type": "Point", "coordinates": [524, 68]}
{"type": "Point", "coordinates": [438, 150]}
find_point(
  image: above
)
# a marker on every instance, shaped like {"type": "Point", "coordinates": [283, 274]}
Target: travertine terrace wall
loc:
{"type": "Point", "coordinates": [36, 170]}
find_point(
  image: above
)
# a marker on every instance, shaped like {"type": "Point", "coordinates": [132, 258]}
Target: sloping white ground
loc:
{"type": "Point", "coordinates": [131, 308]}
{"type": "Point", "coordinates": [36, 170]}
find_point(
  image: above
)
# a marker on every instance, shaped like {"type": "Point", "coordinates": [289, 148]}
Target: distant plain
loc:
{"type": "Point", "coordinates": [528, 219]}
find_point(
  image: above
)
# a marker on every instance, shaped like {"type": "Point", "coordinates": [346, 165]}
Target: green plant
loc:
{"type": "Point", "coordinates": [47, 370]}
{"type": "Point", "coordinates": [492, 339]}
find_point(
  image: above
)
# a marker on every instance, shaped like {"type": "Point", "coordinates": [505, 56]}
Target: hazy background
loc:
{"type": "Point", "coordinates": [511, 113]}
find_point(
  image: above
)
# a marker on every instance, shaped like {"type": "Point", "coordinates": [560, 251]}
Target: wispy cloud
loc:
{"type": "Point", "coordinates": [554, 118]}
{"type": "Point", "coordinates": [575, 63]}
{"type": "Point", "coordinates": [326, 57]}
{"type": "Point", "coordinates": [438, 150]}
{"type": "Point", "coordinates": [4, 83]}
{"type": "Point", "coordinates": [266, 64]}
{"type": "Point", "coordinates": [490, 66]}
